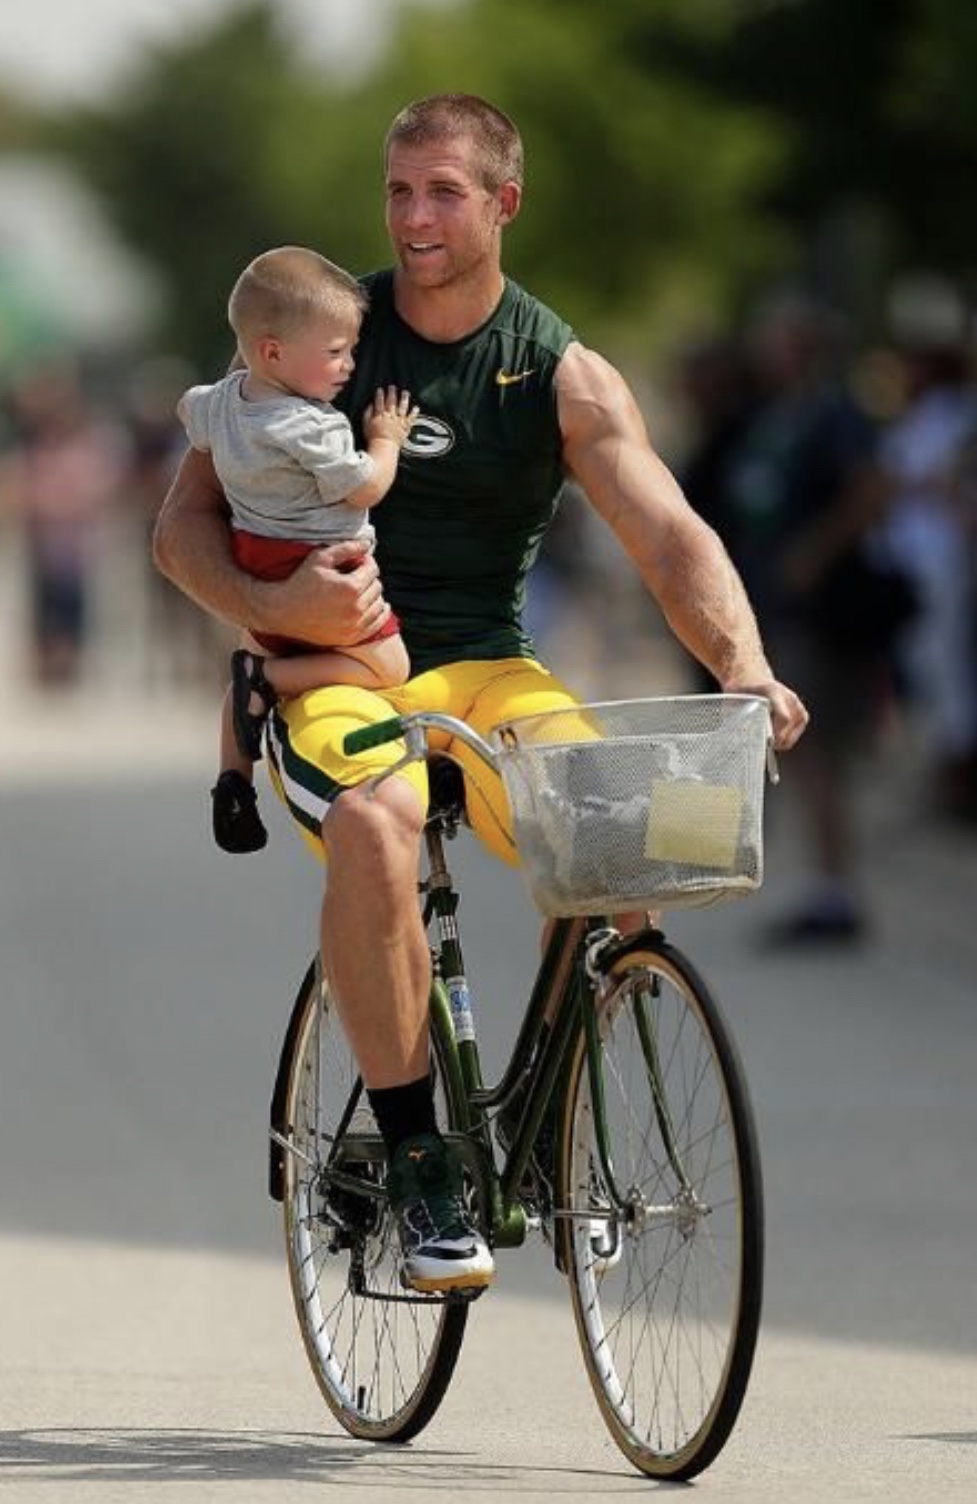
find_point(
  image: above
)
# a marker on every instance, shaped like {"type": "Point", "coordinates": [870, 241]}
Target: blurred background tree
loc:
{"type": "Point", "coordinates": [228, 143]}
{"type": "Point", "coordinates": [879, 101]}
{"type": "Point", "coordinates": [682, 156]}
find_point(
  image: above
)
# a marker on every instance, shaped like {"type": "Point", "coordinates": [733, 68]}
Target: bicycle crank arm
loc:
{"type": "Point", "coordinates": [450, 1297]}
{"type": "Point", "coordinates": [640, 1217]}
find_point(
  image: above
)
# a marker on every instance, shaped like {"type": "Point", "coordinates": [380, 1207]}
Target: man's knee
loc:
{"type": "Point", "coordinates": [377, 824]}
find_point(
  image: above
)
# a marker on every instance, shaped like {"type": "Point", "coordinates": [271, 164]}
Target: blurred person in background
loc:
{"type": "Point", "coordinates": [181, 644]}
{"type": "Point", "coordinates": [927, 455]}
{"type": "Point", "coordinates": [586, 608]}
{"type": "Point", "coordinates": [804, 499]}
{"type": "Point", "coordinates": [60, 478]}
{"type": "Point", "coordinates": [718, 388]}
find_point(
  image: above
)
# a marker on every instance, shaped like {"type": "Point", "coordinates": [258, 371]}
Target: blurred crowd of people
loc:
{"type": "Point", "coordinates": [82, 475]}
{"type": "Point", "coordinates": [844, 487]}
{"type": "Point", "coordinates": [846, 492]}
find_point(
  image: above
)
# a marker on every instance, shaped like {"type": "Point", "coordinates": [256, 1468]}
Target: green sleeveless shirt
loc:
{"type": "Point", "coordinates": [479, 478]}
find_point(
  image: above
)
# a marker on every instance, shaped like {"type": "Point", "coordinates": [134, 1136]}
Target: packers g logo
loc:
{"type": "Point", "coordinates": [429, 438]}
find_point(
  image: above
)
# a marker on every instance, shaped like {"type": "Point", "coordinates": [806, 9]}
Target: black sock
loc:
{"type": "Point", "coordinates": [404, 1111]}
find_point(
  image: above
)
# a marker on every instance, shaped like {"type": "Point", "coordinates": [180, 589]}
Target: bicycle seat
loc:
{"type": "Point", "coordinates": [446, 786]}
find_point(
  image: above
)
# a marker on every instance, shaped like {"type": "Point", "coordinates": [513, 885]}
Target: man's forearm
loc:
{"type": "Point", "coordinates": [191, 544]}
{"type": "Point", "coordinates": [687, 569]}
{"type": "Point", "coordinates": [705, 604]}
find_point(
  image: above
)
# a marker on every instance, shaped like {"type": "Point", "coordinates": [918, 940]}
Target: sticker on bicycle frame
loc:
{"type": "Point", "coordinates": [694, 824]}
{"type": "Point", "coordinates": [461, 1009]}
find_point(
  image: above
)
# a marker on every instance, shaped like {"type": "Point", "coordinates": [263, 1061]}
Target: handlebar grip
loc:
{"type": "Point", "coordinates": [373, 736]}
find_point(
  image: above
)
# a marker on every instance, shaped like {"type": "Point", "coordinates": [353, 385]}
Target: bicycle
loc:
{"type": "Point", "coordinates": [621, 1126]}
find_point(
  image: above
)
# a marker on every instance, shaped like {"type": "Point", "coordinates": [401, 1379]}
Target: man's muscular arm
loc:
{"type": "Point", "coordinates": [317, 604]}
{"type": "Point", "coordinates": [680, 559]}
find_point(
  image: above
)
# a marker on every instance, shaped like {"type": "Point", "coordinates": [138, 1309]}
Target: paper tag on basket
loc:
{"type": "Point", "coordinates": [696, 824]}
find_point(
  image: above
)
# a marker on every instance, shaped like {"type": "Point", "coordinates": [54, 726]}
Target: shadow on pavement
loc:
{"type": "Point", "coordinates": [165, 1455]}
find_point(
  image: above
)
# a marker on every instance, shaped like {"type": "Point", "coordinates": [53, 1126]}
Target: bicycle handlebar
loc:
{"type": "Point", "coordinates": [373, 736]}
{"type": "Point", "coordinates": [414, 728]}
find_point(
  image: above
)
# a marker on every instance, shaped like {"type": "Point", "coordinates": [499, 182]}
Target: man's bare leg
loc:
{"type": "Point", "coordinates": [376, 957]}
{"type": "Point", "coordinates": [374, 948]}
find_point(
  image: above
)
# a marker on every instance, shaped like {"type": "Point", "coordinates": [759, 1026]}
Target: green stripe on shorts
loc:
{"type": "Point", "coordinates": [307, 790]}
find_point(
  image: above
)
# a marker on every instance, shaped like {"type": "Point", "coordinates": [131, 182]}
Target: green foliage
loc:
{"type": "Point", "coordinates": [932, 117]}
{"type": "Point", "coordinates": [642, 185]}
{"type": "Point", "coordinates": [182, 163]}
{"type": "Point", "coordinates": [635, 177]}
{"type": "Point", "coordinates": [881, 101]}
{"type": "Point", "coordinates": [20, 127]}
{"type": "Point", "coordinates": [680, 152]}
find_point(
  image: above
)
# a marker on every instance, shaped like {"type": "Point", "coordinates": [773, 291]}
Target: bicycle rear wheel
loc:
{"type": "Point", "coordinates": [666, 1293]}
{"type": "Point", "coordinates": [382, 1356]}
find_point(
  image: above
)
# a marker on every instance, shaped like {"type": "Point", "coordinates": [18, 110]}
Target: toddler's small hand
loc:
{"type": "Point", "coordinates": [390, 415]}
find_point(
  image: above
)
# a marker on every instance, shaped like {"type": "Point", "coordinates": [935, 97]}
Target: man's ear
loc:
{"type": "Point", "coordinates": [269, 349]}
{"type": "Point", "coordinates": [510, 198]}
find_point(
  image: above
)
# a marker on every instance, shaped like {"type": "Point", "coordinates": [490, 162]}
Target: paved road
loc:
{"type": "Point", "coordinates": [146, 1332]}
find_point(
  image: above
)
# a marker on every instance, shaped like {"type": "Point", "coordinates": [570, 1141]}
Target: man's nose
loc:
{"type": "Point", "coordinates": [418, 210]}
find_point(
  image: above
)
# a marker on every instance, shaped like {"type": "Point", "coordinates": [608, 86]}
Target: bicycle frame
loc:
{"type": "Point", "coordinates": [528, 1066]}
{"type": "Point", "coordinates": [621, 1054]}
{"type": "Point", "coordinates": [563, 994]}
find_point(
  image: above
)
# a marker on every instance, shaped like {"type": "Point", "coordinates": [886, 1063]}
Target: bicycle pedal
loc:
{"type": "Point", "coordinates": [457, 1295]}
{"type": "Point", "coordinates": [466, 1295]}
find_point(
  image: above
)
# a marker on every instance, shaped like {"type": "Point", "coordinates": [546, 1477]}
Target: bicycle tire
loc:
{"type": "Point", "coordinates": [666, 1300]}
{"type": "Point", "coordinates": [383, 1360]}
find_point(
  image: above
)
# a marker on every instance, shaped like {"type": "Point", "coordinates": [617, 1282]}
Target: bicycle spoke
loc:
{"type": "Point", "coordinates": [382, 1364]}
{"type": "Point", "coordinates": [659, 1288]}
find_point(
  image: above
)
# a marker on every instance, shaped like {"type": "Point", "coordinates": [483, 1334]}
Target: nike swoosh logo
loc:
{"type": "Point", "coordinates": [506, 378]}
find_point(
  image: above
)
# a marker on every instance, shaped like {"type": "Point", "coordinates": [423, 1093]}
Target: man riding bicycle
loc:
{"type": "Point", "coordinates": [510, 405]}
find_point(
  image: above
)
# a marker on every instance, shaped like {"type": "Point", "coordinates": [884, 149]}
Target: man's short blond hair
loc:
{"type": "Point", "coordinates": [445, 117]}
{"type": "Point", "coordinates": [283, 289]}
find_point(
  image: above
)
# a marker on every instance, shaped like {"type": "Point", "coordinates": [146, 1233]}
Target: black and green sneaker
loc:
{"type": "Point", "coordinates": [442, 1250]}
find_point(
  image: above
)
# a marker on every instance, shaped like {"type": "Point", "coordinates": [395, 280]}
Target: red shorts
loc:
{"type": "Point", "coordinates": [276, 559]}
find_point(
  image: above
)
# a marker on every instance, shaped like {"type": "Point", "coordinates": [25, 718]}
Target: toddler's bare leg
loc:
{"type": "Point", "coordinates": [231, 757]}
{"type": "Point", "coordinates": [372, 665]}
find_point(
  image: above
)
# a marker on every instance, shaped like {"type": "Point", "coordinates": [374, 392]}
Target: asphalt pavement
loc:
{"type": "Point", "coordinates": [147, 1336]}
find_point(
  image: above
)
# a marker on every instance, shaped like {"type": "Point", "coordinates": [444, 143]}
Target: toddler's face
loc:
{"type": "Point", "coordinates": [318, 361]}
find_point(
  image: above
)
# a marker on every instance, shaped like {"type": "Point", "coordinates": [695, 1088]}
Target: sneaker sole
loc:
{"type": "Point", "coordinates": [435, 1283]}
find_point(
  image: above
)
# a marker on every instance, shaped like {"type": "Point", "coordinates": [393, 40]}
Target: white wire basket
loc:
{"type": "Point", "coordinates": [637, 804]}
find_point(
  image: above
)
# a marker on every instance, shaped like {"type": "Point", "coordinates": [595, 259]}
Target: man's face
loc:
{"type": "Point", "coordinates": [444, 223]}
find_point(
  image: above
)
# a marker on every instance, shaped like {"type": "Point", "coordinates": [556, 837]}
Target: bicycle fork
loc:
{"type": "Point", "coordinates": [627, 1204]}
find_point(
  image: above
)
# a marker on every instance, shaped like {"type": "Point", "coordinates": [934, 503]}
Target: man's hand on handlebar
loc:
{"type": "Point", "coordinates": [788, 713]}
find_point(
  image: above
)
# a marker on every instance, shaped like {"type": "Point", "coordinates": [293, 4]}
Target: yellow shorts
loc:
{"type": "Point", "coordinates": [305, 743]}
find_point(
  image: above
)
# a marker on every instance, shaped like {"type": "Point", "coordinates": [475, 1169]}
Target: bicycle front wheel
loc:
{"type": "Point", "coordinates": [666, 1285]}
{"type": "Point", "coordinates": [382, 1356]}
